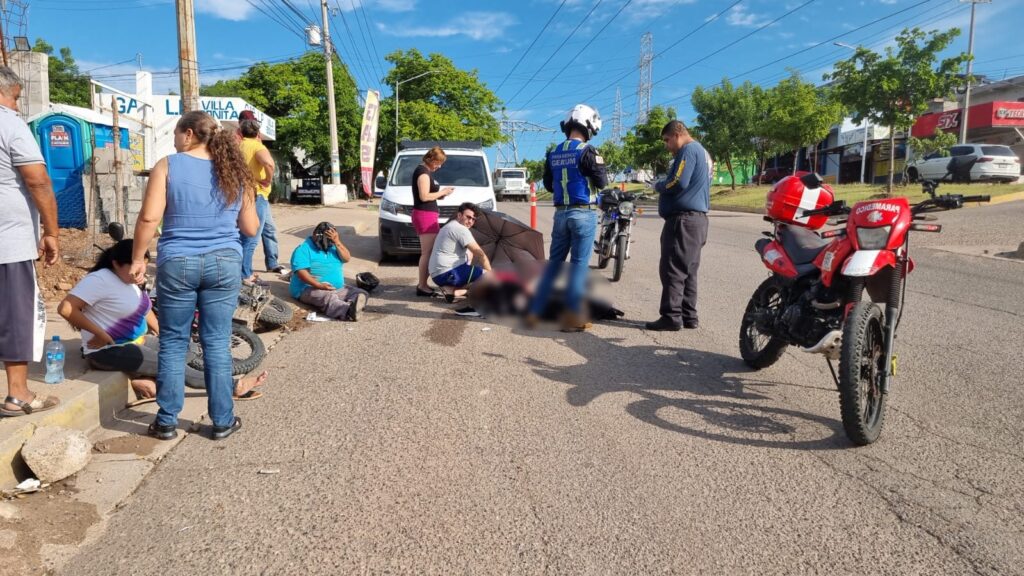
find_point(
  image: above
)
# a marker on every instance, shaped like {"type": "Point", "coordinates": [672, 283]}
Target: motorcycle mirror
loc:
{"type": "Point", "coordinates": [116, 231]}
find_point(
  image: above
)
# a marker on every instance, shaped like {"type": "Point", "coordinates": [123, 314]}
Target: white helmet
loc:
{"type": "Point", "coordinates": [583, 117]}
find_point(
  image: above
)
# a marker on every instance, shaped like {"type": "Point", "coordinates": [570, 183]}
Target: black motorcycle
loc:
{"type": "Point", "coordinates": [617, 211]}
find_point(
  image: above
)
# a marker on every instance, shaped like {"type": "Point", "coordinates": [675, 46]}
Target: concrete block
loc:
{"type": "Point", "coordinates": [53, 453]}
{"type": "Point", "coordinates": [334, 194]}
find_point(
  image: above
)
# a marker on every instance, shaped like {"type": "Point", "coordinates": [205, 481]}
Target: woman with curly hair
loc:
{"type": "Point", "coordinates": [204, 195]}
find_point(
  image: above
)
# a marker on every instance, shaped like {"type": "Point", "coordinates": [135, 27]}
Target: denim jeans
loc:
{"type": "Point", "coordinates": [209, 282]}
{"type": "Point", "coordinates": [267, 232]}
{"type": "Point", "coordinates": [572, 236]}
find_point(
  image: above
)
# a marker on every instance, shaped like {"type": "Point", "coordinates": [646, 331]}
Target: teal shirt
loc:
{"type": "Point", "coordinates": [324, 266]}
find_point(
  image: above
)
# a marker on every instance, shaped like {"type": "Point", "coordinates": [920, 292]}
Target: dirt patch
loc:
{"type": "Point", "coordinates": [50, 517]}
{"type": "Point", "coordinates": [77, 256]}
{"type": "Point", "coordinates": [446, 332]}
{"type": "Point", "coordinates": [130, 444]}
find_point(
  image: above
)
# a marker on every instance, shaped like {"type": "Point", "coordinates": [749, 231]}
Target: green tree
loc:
{"type": "Point", "coordinates": [799, 114]}
{"type": "Point", "coordinates": [445, 104]}
{"type": "Point", "coordinates": [614, 157]}
{"type": "Point", "coordinates": [726, 117]}
{"type": "Point", "coordinates": [940, 142]}
{"type": "Point", "coordinates": [534, 169]}
{"type": "Point", "coordinates": [642, 146]}
{"type": "Point", "coordinates": [294, 93]}
{"type": "Point", "coordinates": [894, 88]}
{"type": "Point", "coordinates": [67, 83]}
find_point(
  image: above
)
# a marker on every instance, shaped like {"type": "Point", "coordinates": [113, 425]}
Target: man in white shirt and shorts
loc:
{"type": "Point", "coordinates": [457, 259]}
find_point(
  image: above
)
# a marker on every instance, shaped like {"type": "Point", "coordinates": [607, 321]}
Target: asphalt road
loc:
{"type": "Point", "coordinates": [420, 442]}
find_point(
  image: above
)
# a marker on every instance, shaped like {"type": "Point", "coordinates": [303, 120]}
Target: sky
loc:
{"type": "Point", "coordinates": [540, 56]}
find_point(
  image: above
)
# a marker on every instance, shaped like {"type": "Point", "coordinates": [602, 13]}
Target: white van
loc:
{"type": "Point", "coordinates": [465, 169]}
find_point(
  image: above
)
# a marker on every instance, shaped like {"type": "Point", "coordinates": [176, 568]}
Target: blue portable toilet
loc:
{"type": "Point", "coordinates": [63, 141]}
{"type": "Point", "coordinates": [66, 142]}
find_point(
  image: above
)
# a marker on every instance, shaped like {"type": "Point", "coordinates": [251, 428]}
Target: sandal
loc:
{"type": "Point", "coordinates": [425, 293]}
{"type": "Point", "coordinates": [250, 395]}
{"type": "Point", "coordinates": [36, 404]}
{"type": "Point", "coordinates": [140, 402]}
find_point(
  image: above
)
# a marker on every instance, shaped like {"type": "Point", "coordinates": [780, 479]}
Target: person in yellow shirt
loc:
{"type": "Point", "coordinates": [262, 165]}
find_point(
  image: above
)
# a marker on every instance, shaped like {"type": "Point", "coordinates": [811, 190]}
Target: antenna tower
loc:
{"type": "Point", "coordinates": [617, 116]}
{"type": "Point", "coordinates": [509, 128]}
{"type": "Point", "coordinates": [643, 90]}
{"type": "Point", "coordinates": [14, 15]}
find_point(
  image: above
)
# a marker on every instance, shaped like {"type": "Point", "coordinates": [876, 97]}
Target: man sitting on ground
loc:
{"type": "Point", "coordinates": [451, 268]}
{"type": "Point", "coordinates": [317, 276]}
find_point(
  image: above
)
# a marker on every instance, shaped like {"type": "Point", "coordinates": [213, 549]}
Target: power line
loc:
{"type": "Point", "coordinates": [571, 34]}
{"type": "Point", "coordinates": [377, 60]}
{"type": "Point", "coordinates": [581, 50]}
{"type": "Point", "coordinates": [528, 48]}
{"type": "Point", "coordinates": [275, 18]}
{"type": "Point", "coordinates": [354, 56]}
{"type": "Point", "coordinates": [352, 40]}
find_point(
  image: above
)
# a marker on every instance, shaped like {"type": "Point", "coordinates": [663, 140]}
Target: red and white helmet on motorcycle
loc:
{"type": "Point", "coordinates": [791, 196]}
{"type": "Point", "coordinates": [584, 118]}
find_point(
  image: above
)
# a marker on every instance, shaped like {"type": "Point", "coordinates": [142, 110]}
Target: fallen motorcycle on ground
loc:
{"type": "Point", "coordinates": [814, 296]}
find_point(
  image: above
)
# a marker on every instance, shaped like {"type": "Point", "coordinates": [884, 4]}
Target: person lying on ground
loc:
{"type": "Point", "coordinates": [119, 329]}
{"type": "Point", "coordinates": [457, 259]}
{"type": "Point", "coordinates": [318, 276]}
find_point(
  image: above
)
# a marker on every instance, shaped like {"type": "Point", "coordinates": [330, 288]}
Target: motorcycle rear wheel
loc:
{"type": "Point", "coordinates": [861, 365]}
{"type": "Point", "coordinates": [604, 247]}
{"type": "Point", "coordinates": [760, 349]}
{"type": "Point", "coordinates": [247, 351]}
{"type": "Point", "coordinates": [276, 313]}
{"type": "Point", "coordinates": [621, 244]}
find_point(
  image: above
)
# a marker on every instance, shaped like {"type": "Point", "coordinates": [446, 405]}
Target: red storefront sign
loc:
{"type": "Point", "coordinates": [987, 115]}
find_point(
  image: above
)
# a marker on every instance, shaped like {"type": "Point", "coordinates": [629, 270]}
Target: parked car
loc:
{"type": "Point", "coordinates": [979, 162]}
{"type": "Point", "coordinates": [465, 169]}
{"type": "Point", "coordinates": [773, 175]}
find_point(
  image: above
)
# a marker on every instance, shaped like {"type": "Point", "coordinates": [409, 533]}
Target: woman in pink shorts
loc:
{"type": "Point", "coordinates": [425, 194]}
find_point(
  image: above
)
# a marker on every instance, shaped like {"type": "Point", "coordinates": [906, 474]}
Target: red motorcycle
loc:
{"type": "Point", "coordinates": [814, 296]}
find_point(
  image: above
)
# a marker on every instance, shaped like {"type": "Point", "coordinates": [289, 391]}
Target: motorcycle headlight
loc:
{"type": "Point", "coordinates": [388, 206]}
{"type": "Point", "coordinates": [626, 208]}
{"type": "Point", "coordinates": [873, 238]}
{"type": "Point", "coordinates": [486, 205]}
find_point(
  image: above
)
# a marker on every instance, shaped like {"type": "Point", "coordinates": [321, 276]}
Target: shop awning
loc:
{"type": "Point", "coordinates": [982, 116]}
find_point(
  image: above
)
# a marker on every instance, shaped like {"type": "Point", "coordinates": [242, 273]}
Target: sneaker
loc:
{"type": "Point", "coordinates": [467, 311]}
{"type": "Point", "coordinates": [662, 324]}
{"type": "Point", "coordinates": [356, 308]}
{"type": "Point", "coordinates": [222, 432]}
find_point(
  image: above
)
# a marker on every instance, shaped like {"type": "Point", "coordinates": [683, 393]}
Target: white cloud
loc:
{"type": "Point", "coordinates": [227, 9]}
{"type": "Point", "coordinates": [475, 25]}
{"type": "Point", "coordinates": [738, 16]}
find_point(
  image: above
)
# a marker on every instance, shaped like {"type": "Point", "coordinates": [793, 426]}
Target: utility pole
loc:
{"type": "Point", "coordinates": [328, 56]}
{"type": "Point", "coordinates": [970, 68]}
{"type": "Point", "coordinates": [188, 63]}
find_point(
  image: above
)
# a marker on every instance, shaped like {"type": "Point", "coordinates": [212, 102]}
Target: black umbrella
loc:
{"type": "Point", "coordinates": [509, 243]}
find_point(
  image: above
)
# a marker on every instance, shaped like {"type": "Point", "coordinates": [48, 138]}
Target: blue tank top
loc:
{"type": "Point", "coordinates": [196, 220]}
{"type": "Point", "coordinates": [571, 186]}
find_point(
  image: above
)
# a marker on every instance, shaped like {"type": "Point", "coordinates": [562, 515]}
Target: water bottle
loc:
{"type": "Point", "coordinates": [54, 361]}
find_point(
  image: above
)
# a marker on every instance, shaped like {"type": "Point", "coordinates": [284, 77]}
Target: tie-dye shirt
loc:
{"type": "Point", "coordinates": [119, 308]}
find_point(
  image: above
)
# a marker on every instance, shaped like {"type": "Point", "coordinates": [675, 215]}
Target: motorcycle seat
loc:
{"type": "Point", "coordinates": [801, 244]}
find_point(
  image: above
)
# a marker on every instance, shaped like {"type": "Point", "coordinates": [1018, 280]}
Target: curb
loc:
{"type": "Point", "coordinates": [87, 404]}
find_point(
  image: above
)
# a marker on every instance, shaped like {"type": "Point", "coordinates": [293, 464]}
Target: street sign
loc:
{"type": "Point", "coordinates": [312, 189]}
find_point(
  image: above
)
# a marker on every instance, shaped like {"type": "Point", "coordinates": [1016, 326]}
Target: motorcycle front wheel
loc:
{"type": "Point", "coordinates": [761, 349]}
{"type": "Point", "coordinates": [604, 247]}
{"type": "Point", "coordinates": [861, 365]}
{"type": "Point", "coordinates": [621, 244]}
{"type": "Point", "coordinates": [247, 351]}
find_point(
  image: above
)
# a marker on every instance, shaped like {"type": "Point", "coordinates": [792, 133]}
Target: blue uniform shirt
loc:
{"type": "Point", "coordinates": [688, 185]}
{"type": "Point", "coordinates": [574, 173]}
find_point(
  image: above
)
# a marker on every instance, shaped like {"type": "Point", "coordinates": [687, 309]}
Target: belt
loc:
{"type": "Point", "coordinates": [576, 206]}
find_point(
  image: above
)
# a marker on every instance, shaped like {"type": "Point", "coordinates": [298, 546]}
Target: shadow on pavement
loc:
{"type": "Point", "coordinates": [701, 394]}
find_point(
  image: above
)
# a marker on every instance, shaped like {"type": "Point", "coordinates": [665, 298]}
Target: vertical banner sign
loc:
{"type": "Point", "coordinates": [368, 140]}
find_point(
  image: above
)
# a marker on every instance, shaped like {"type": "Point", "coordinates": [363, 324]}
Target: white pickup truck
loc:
{"type": "Point", "coordinates": [511, 183]}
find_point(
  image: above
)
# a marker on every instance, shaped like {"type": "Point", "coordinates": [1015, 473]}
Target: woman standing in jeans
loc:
{"type": "Point", "coordinates": [204, 195]}
{"type": "Point", "coordinates": [425, 194]}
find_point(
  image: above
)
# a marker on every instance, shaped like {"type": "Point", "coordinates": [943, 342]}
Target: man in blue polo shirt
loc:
{"type": "Point", "coordinates": [318, 276]}
{"type": "Point", "coordinates": [684, 198]}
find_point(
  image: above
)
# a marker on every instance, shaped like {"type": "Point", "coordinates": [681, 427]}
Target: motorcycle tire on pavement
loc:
{"type": "Point", "coordinates": [276, 313]}
{"type": "Point", "coordinates": [861, 363]}
{"type": "Point", "coordinates": [247, 351]}
{"type": "Point", "coordinates": [760, 350]}
{"type": "Point", "coordinates": [621, 245]}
